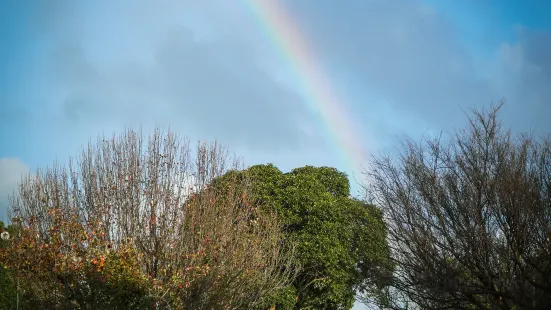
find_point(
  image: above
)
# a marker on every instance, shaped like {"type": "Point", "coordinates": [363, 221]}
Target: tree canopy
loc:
{"type": "Point", "coordinates": [122, 227]}
{"type": "Point", "coordinates": [340, 241]}
{"type": "Point", "coordinates": [469, 219]}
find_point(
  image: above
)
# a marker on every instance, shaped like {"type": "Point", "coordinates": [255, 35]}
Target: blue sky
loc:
{"type": "Point", "coordinates": [74, 69]}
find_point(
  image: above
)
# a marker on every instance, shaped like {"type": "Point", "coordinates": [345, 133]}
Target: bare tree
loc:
{"type": "Point", "coordinates": [134, 206]}
{"type": "Point", "coordinates": [469, 219]}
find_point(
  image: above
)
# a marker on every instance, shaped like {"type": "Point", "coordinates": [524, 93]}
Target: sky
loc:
{"type": "Point", "coordinates": [227, 71]}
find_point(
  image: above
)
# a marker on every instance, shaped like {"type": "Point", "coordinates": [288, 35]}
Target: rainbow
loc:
{"type": "Point", "coordinates": [314, 83]}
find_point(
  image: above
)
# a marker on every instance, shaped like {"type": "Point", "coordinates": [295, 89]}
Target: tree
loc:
{"type": "Point", "coordinates": [8, 289]}
{"type": "Point", "coordinates": [125, 228]}
{"type": "Point", "coordinates": [340, 241]}
{"type": "Point", "coordinates": [469, 218]}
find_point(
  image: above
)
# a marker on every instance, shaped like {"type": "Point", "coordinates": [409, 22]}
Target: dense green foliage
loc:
{"type": "Point", "coordinates": [341, 241]}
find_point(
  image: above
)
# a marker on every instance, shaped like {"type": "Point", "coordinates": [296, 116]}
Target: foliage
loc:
{"type": "Point", "coordinates": [340, 241]}
{"type": "Point", "coordinates": [127, 229]}
{"type": "Point", "coordinates": [7, 288]}
{"type": "Point", "coordinates": [469, 219]}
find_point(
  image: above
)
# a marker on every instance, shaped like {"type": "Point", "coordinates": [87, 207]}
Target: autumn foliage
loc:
{"type": "Point", "coordinates": [132, 224]}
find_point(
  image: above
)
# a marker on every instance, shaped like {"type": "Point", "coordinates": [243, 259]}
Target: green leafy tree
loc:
{"type": "Point", "coordinates": [340, 241]}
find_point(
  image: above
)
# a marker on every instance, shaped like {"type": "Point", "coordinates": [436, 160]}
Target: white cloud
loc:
{"type": "Point", "coordinates": [11, 171]}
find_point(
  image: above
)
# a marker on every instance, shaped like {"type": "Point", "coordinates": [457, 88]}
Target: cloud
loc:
{"type": "Point", "coordinates": [205, 69]}
{"type": "Point", "coordinates": [11, 171]}
{"type": "Point", "coordinates": [412, 70]}
{"type": "Point", "coordinates": [403, 52]}
{"type": "Point", "coordinates": [524, 78]}
{"type": "Point", "coordinates": [141, 66]}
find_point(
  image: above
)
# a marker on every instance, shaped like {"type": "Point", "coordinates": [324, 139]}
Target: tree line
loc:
{"type": "Point", "coordinates": [456, 222]}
